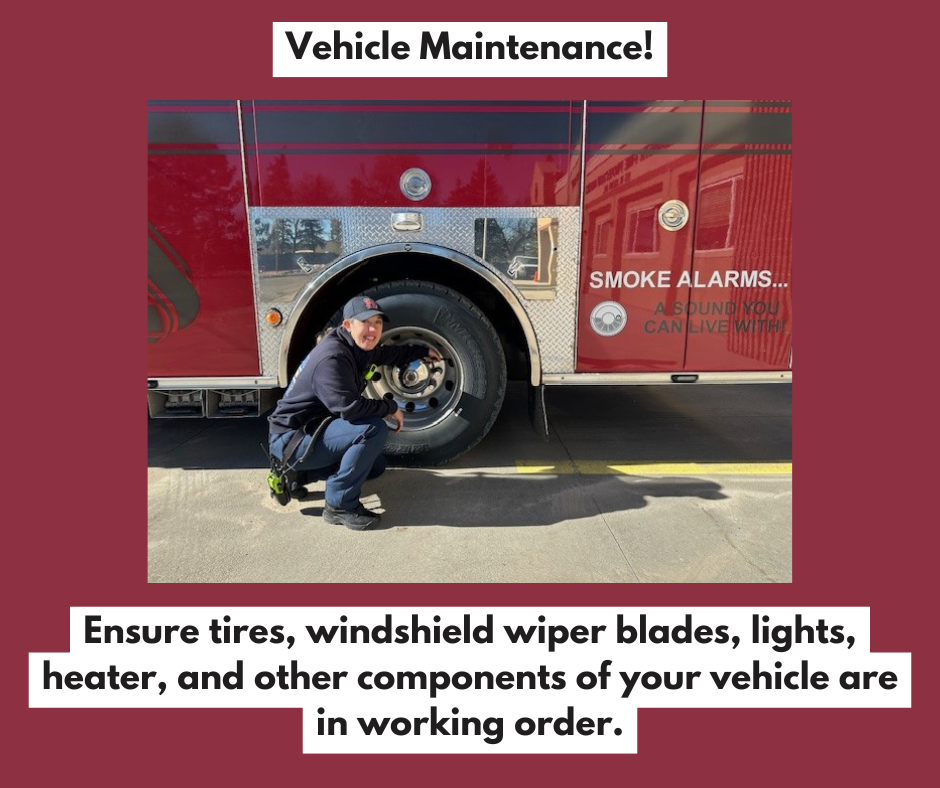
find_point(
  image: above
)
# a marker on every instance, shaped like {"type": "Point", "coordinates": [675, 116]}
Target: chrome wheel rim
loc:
{"type": "Point", "coordinates": [426, 393]}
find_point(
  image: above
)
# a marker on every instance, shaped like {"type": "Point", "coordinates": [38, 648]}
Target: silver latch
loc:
{"type": "Point", "coordinates": [407, 222]}
{"type": "Point", "coordinates": [673, 215]}
{"type": "Point", "coordinates": [415, 184]}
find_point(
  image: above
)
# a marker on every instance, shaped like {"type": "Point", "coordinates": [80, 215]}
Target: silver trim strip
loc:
{"type": "Point", "coordinates": [584, 111]}
{"type": "Point", "coordinates": [540, 393]}
{"type": "Point", "coordinates": [653, 378]}
{"type": "Point", "coordinates": [341, 266]}
{"type": "Point", "coordinates": [576, 379]}
{"type": "Point", "coordinates": [255, 284]}
{"type": "Point", "coordinates": [166, 384]}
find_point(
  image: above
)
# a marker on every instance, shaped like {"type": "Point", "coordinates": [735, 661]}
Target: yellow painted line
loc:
{"type": "Point", "coordinates": [597, 467]}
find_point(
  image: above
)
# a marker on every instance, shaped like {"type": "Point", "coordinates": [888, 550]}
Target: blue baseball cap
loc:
{"type": "Point", "coordinates": [362, 308]}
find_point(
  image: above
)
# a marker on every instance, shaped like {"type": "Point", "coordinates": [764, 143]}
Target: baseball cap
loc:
{"type": "Point", "coordinates": [362, 308]}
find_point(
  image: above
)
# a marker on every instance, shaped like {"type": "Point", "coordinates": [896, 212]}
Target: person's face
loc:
{"type": "Point", "coordinates": [365, 333]}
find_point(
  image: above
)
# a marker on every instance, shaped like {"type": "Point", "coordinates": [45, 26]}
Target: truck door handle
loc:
{"type": "Point", "coordinates": [673, 215]}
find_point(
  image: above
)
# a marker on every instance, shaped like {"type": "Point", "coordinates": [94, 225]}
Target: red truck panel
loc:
{"type": "Point", "coordinates": [479, 154]}
{"type": "Point", "coordinates": [200, 298]}
{"type": "Point", "coordinates": [744, 233]}
{"type": "Point", "coordinates": [716, 294]}
{"type": "Point", "coordinates": [638, 156]}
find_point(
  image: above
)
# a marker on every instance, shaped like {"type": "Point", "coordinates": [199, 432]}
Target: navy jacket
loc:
{"type": "Point", "coordinates": [331, 379]}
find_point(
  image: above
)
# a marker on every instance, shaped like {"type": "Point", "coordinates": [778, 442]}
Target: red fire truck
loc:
{"type": "Point", "coordinates": [558, 242]}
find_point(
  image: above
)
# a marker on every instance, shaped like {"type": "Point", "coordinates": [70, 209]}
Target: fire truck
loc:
{"type": "Point", "coordinates": [556, 242]}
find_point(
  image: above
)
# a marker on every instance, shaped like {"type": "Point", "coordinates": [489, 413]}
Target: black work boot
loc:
{"type": "Point", "coordinates": [358, 520]}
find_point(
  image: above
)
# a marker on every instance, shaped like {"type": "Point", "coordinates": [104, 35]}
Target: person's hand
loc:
{"type": "Point", "coordinates": [399, 419]}
{"type": "Point", "coordinates": [433, 355]}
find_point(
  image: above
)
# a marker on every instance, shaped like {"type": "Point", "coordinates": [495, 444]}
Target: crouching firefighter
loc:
{"type": "Point", "coordinates": [323, 428]}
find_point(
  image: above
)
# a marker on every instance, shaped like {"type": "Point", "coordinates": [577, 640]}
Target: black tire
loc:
{"type": "Point", "coordinates": [461, 397]}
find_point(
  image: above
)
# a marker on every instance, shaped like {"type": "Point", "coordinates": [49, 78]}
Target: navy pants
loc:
{"type": "Point", "coordinates": [346, 454]}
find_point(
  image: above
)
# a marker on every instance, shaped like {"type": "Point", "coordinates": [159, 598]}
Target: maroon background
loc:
{"type": "Point", "coordinates": [76, 504]}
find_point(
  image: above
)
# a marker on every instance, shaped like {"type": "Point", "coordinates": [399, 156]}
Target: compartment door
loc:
{"type": "Point", "coordinates": [200, 296]}
{"type": "Point", "coordinates": [640, 157]}
{"type": "Point", "coordinates": [740, 312]}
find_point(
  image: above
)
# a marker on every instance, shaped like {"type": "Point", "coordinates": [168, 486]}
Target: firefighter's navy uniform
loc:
{"type": "Point", "coordinates": [329, 385]}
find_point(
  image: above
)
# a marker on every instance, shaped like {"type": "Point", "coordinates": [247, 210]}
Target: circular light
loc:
{"type": "Point", "coordinates": [273, 317]}
{"type": "Point", "coordinates": [415, 184]}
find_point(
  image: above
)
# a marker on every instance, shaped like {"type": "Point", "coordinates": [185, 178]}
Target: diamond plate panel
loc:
{"type": "Point", "coordinates": [553, 312]}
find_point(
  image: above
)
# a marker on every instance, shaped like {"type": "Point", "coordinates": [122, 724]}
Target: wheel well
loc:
{"type": "Point", "coordinates": [409, 265]}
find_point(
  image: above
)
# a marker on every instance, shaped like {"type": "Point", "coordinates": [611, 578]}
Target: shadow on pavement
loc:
{"type": "Point", "coordinates": [414, 498]}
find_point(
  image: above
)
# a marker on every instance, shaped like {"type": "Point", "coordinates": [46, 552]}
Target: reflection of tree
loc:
{"type": "Point", "coordinates": [280, 241]}
{"type": "Point", "coordinates": [491, 241]}
{"type": "Point", "coordinates": [214, 210]}
{"type": "Point", "coordinates": [282, 236]}
{"type": "Point", "coordinates": [290, 235]}
{"type": "Point", "coordinates": [482, 189]}
{"type": "Point", "coordinates": [523, 238]}
{"type": "Point", "coordinates": [378, 187]}
{"type": "Point", "coordinates": [262, 233]}
{"type": "Point", "coordinates": [309, 234]}
{"type": "Point", "coordinates": [505, 239]}
{"type": "Point", "coordinates": [317, 190]}
{"type": "Point", "coordinates": [277, 182]}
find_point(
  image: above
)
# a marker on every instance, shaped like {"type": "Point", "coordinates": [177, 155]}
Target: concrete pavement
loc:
{"type": "Point", "coordinates": [514, 509]}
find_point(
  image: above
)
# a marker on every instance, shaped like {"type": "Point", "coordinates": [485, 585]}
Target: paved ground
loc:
{"type": "Point", "coordinates": [637, 484]}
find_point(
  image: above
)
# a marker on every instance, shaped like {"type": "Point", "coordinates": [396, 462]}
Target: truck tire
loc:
{"type": "Point", "coordinates": [447, 407]}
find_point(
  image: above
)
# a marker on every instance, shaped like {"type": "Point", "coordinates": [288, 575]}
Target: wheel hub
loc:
{"type": "Point", "coordinates": [414, 378]}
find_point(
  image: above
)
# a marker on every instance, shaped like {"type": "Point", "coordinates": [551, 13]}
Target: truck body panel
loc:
{"type": "Point", "coordinates": [629, 241]}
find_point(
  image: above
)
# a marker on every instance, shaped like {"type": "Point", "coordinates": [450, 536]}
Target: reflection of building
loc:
{"type": "Point", "coordinates": [716, 204]}
{"type": "Point", "coordinates": [728, 163]}
{"type": "Point", "coordinates": [545, 179]}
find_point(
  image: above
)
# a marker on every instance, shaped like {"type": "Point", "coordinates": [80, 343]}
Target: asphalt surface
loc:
{"type": "Point", "coordinates": [636, 484]}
